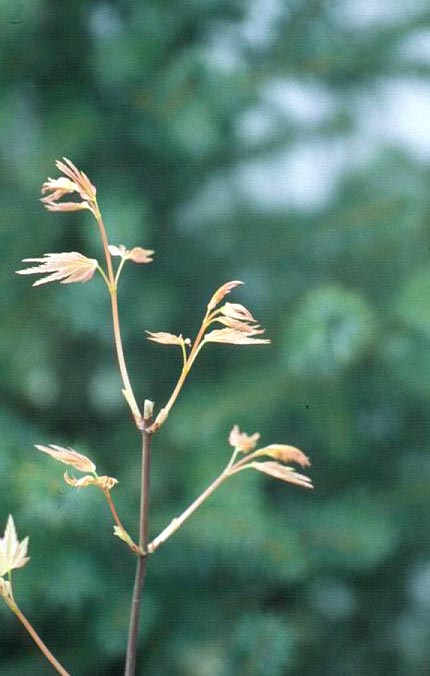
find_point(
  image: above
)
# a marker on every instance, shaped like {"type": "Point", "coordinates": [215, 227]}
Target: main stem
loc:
{"type": "Point", "coordinates": [130, 664]}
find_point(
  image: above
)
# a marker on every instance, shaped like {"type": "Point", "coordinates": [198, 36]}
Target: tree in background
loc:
{"type": "Point", "coordinates": [282, 144]}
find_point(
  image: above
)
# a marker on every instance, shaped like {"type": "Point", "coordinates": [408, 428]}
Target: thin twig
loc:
{"type": "Point", "coordinates": [38, 641]}
{"type": "Point", "coordinates": [115, 321]}
{"type": "Point", "coordinates": [130, 664]}
{"type": "Point", "coordinates": [179, 520]}
{"type": "Point", "coordinates": [188, 362]}
{"type": "Point", "coordinates": [231, 468]}
{"type": "Point", "coordinates": [123, 534]}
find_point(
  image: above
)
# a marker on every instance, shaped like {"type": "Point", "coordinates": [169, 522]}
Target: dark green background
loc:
{"type": "Point", "coordinates": [284, 143]}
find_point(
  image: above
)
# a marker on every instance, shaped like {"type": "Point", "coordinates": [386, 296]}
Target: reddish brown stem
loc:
{"type": "Point", "coordinates": [38, 641]}
{"type": "Point", "coordinates": [164, 412]}
{"type": "Point", "coordinates": [116, 325]}
{"type": "Point", "coordinates": [130, 665]}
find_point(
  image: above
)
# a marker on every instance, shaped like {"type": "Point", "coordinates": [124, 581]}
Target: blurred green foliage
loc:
{"type": "Point", "coordinates": [278, 142]}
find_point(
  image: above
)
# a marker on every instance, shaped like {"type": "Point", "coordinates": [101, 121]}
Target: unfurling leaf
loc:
{"type": "Point", "coordinates": [237, 325]}
{"type": "Point", "coordinates": [285, 453]}
{"type": "Point", "coordinates": [106, 483]}
{"type": "Point", "coordinates": [236, 336]}
{"type": "Point", "coordinates": [69, 457]}
{"type": "Point", "coordinates": [242, 441]}
{"type": "Point", "coordinates": [241, 327]}
{"type": "Point", "coordinates": [73, 181]}
{"type": "Point", "coordinates": [87, 480]}
{"type": "Point", "coordinates": [237, 311]}
{"type": "Point", "coordinates": [281, 472]}
{"type": "Point", "coordinates": [124, 536]}
{"type": "Point", "coordinates": [13, 554]}
{"type": "Point", "coordinates": [221, 292]}
{"type": "Point", "coordinates": [167, 338]}
{"type": "Point", "coordinates": [115, 250]}
{"type": "Point", "coordinates": [67, 267]}
{"type": "Point", "coordinates": [137, 254]}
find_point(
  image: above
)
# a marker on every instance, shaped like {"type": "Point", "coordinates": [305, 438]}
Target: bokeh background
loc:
{"type": "Point", "coordinates": [285, 143]}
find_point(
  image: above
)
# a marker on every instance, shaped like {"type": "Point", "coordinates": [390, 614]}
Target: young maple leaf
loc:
{"type": "Point", "coordinates": [69, 457]}
{"type": "Point", "coordinates": [167, 338]}
{"type": "Point", "coordinates": [282, 472]}
{"type": "Point", "coordinates": [73, 181]}
{"type": "Point", "coordinates": [106, 483]}
{"type": "Point", "coordinates": [65, 267]}
{"type": "Point", "coordinates": [80, 462]}
{"type": "Point", "coordinates": [241, 441]}
{"type": "Point", "coordinates": [221, 292]}
{"type": "Point", "coordinates": [243, 336]}
{"type": "Point", "coordinates": [13, 554]}
{"type": "Point", "coordinates": [285, 453]}
{"type": "Point", "coordinates": [237, 311]}
{"type": "Point", "coordinates": [240, 326]}
{"type": "Point", "coordinates": [136, 254]}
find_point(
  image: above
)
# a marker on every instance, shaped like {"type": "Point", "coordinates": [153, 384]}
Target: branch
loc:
{"type": "Point", "coordinates": [36, 638]}
{"type": "Point", "coordinates": [130, 665]}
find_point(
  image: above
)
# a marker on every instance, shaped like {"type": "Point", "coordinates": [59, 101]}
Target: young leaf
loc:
{"type": "Point", "coordinates": [242, 441]}
{"type": "Point", "coordinates": [69, 457]}
{"type": "Point", "coordinates": [285, 453]}
{"type": "Point", "coordinates": [235, 337]}
{"type": "Point", "coordinates": [237, 311]}
{"type": "Point", "coordinates": [237, 324]}
{"type": "Point", "coordinates": [13, 554]}
{"type": "Point", "coordinates": [137, 254]}
{"type": "Point", "coordinates": [282, 472]}
{"type": "Point", "coordinates": [167, 338]}
{"type": "Point", "coordinates": [67, 267]}
{"type": "Point", "coordinates": [106, 483]}
{"type": "Point", "coordinates": [73, 181]}
{"type": "Point", "coordinates": [221, 292]}
{"type": "Point", "coordinates": [124, 536]}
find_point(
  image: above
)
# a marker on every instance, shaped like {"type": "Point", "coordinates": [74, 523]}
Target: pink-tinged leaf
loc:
{"type": "Point", "coordinates": [69, 457]}
{"type": "Point", "coordinates": [106, 483]}
{"type": "Point", "coordinates": [139, 255]}
{"type": "Point", "coordinates": [87, 480]}
{"type": "Point", "coordinates": [282, 472]}
{"type": "Point", "coordinates": [237, 311]}
{"type": "Point", "coordinates": [58, 187]}
{"type": "Point", "coordinates": [167, 338]}
{"type": "Point", "coordinates": [236, 324]}
{"type": "Point", "coordinates": [117, 250]}
{"type": "Point", "coordinates": [13, 554]}
{"type": "Point", "coordinates": [66, 268]}
{"type": "Point", "coordinates": [86, 189]}
{"type": "Point", "coordinates": [73, 181]}
{"type": "Point", "coordinates": [242, 441]}
{"type": "Point", "coordinates": [235, 337]}
{"type": "Point", "coordinates": [238, 321]}
{"type": "Point", "coordinates": [285, 453]}
{"type": "Point", "coordinates": [221, 292]}
{"type": "Point", "coordinates": [66, 206]}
